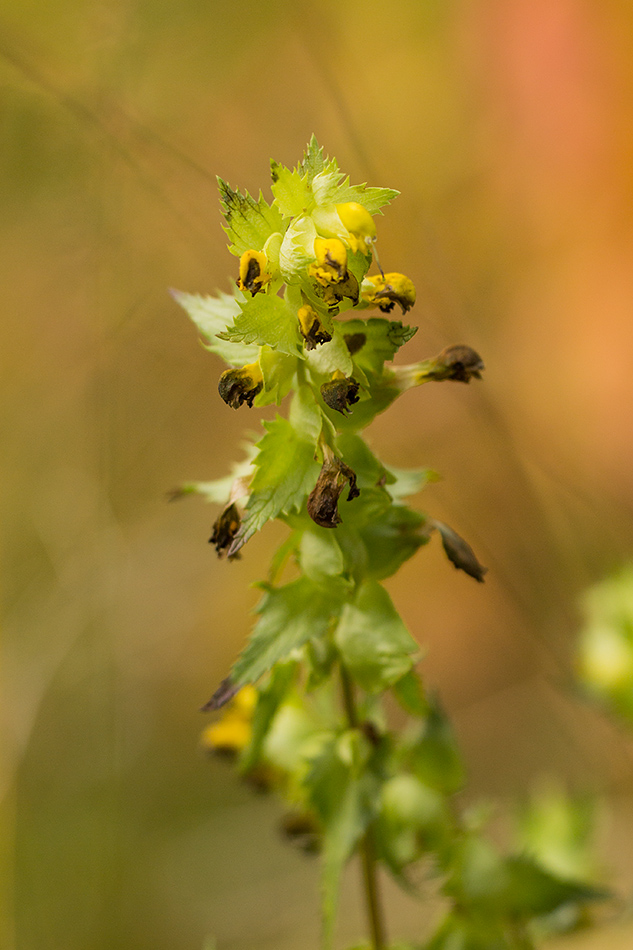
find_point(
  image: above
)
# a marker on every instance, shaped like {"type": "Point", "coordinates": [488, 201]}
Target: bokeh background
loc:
{"type": "Point", "coordinates": [507, 127]}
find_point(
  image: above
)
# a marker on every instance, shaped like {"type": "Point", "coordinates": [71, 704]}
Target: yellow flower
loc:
{"type": "Point", "coordinates": [360, 225]}
{"type": "Point", "coordinates": [330, 266]}
{"type": "Point", "coordinates": [253, 273]}
{"type": "Point", "coordinates": [232, 733]}
{"type": "Point", "coordinates": [386, 290]}
{"type": "Point", "coordinates": [312, 330]}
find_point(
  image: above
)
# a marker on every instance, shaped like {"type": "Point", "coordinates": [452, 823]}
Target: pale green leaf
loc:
{"type": "Point", "coordinates": [286, 472]}
{"type": "Point", "coordinates": [345, 805]}
{"type": "Point", "coordinates": [375, 645]}
{"type": "Point", "coordinates": [313, 161]}
{"type": "Point", "coordinates": [249, 223]}
{"type": "Point", "coordinates": [292, 191]}
{"type": "Point", "coordinates": [297, 249]}
{"type": "Point", "coordinates": [212, 316]}
{"type": "Point", "coordinates": [278, 370]}
{"type": "Point", "coordinates": [410, 481]}
{"type": "Point", "coordinates": [266, 319]}
{"type": "Point", "coordinates": [373, 199]}
{"type": "Point", "coordinates": [329, 357]}
{"type": "Point", "coordinates": [269, 699]}
{"type": "Point", "coordinates": [288, 616]}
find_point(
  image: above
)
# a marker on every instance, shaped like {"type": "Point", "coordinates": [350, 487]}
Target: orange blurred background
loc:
{"type": "Point", "coordinates": [507, 128]}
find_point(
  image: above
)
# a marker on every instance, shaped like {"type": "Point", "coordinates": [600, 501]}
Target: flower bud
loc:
{"type": "Point", "coordinates": [387, 290]}
{"type": "Point", "coordinates": [312, 330]}
{"type": "Point", "coordinates": [360, 225]}
{"type": "Point", "coordinates": [459, 552]}
{"type": "Point", "coordinates": [323, 500]}
{"type": "Point", "coordinates": [226, 526]}
{"type": "Point", "coordinates": [253, 274]}
{"type": "Point", "coordinates": [340, 392]}
{"type": "Point", "coordinates": [237, 386]}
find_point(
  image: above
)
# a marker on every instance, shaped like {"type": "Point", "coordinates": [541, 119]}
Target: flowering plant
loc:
{"type": "Point", "coordinates": [305, 700]}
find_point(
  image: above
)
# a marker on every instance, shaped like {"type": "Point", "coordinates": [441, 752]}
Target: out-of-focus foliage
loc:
{"type": "Point", "coordinates": [605, 648]}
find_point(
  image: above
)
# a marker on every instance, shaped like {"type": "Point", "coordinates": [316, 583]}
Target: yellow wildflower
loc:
{"type": "Point", "coordinates": [386, 290]}
{"type": "Point", "coordinates": [330, 266]}
{"type": "Point", "coordinates": [253, 271]}
{"type": "Point", "coordinates": [360, 225]}
{"type": "Point", "coordinates": [232, 733]}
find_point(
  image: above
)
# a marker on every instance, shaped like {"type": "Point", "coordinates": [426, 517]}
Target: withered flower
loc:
{"type": "Point", "coordinates": [459, 552]}
{"type": "Point", "coordinates": [323, 500]}
{"type": "Point", "coordinates": [340, 392]}
{"type": "Point", "coordinates": [312, 330]}
{"type": "Point", "coordinates": [253, 274]}
{"type": "Point", "coordinates": [387, 290]}
{"type": "Point", "coordinates": [302, 829]}
{"type": "Point", "coordinates": [458, 362]}
{"type": "Point", "coordinates": [226, 526]}
{"type": "Point", "coordinates": [238, 386]}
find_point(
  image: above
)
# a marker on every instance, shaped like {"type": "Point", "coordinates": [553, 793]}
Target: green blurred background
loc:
{"type": "Point", "coordinates": [507, 127]}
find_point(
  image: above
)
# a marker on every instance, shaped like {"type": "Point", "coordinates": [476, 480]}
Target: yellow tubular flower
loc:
{"type": "Point", "coordinates": [359, 223]}
{"type": "Point", "coordinates": [233, 731]}
{"type": "Point", "coordinates": [229, 736]}
{"type": "Point", "coordinates": [253, 274]}
{"type": "Point", "coordinates": [330, 266]}
{"type": "Point", "coordinates": [312, 330]}
{"type": "Point", "coordinates": [388, 290]}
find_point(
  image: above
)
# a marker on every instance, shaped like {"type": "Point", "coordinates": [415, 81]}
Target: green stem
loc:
{"type": "Point", "coordinates": [366, 845]}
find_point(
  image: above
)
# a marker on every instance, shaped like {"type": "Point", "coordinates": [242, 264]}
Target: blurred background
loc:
{"type": "Point", "coordinates": [507, 127]}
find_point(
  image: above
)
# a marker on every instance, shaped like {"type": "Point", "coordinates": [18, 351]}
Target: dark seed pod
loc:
{"type": "Point", "coordinates": [239, 386]}
{"type": "Point", "coordinates": [340, 393]}
{"type": "Point", "coordinates": [458, 362]}
{"type": "Point", "coordinates": [324, 497]}
{"type": "Point", "coordinates": [460, 553]}
{"type": "Point", "coordinates": [226, 526]}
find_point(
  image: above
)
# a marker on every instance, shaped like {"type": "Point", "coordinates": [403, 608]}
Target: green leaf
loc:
{"type": "Point", "coordinates": [373, 199]}
{"type": "Point", "coordinates": [212, 315]}
{"type": "Point", "coordinates": [292, 190]}
{"type": "Point", "coordinates": [461, 931]}
{"type": "Point", "coordinates": [375, 645]}
{"type": "Point", "coordinates": [312, 162]}
{"type": "Point", "coordinates": [409, 692]}
{"type": "Point", "coordinates": [266, 319]}
{"type": "Point", "coordinates": [322, 560]}
{"type": "Point", "coordinates": [286, 472]}
{"type": "Point", "coordinates": [345, 805]}
{"type": "Point", "coordinates": [391, 539]}
{"type": "Point", "coordinates": [329, 357]}
{"type": "Point", "coordinates": [531, 891]}
{"type": "Point", "coordinates": [288, 616]}
{"type": "Point", "coordinates": [434, 756]}
{"type": "Point", "coordinates": [382, 340]}
{"type": "Point", "coordinates": [278, 371]}
{"type": "Point", "coordinates": [219, 491]}
{"type": "Point", "coordinates": [270, 697]}
{"type": "Point", "coordinates": [249, 223]}
{"type": "Point", "coordinates": [409, 481]}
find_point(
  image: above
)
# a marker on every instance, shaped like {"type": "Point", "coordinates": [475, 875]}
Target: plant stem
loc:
{"type": "Point", "coordinates": [366, 845]}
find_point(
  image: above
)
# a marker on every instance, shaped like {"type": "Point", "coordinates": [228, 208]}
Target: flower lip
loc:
{"type": "Point", "coordinates": [387, 290]}
{"type": "Point", "coordinates": [312, 330]}
{"type": "Point", "coordinates": [253, 275]}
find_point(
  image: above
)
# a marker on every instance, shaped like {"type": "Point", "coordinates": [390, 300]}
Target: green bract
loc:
{"type": "Point", "coordinates": [328, 644]}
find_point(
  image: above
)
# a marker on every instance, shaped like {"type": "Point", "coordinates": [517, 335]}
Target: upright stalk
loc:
{"type": "Point", "coordinates": [366, 845]}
